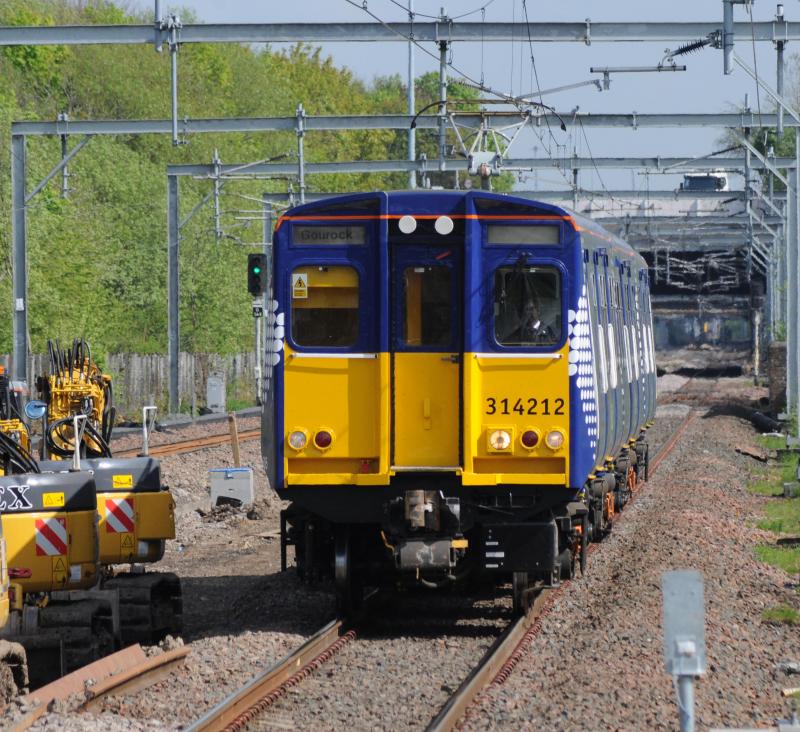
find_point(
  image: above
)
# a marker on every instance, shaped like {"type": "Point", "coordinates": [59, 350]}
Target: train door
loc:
{"type": "Point", "coordinates": [608, 354]}
{"type": "Point", "coordinates": [426, 350]}
{"type": "Point", "coordinates": [621, 364]}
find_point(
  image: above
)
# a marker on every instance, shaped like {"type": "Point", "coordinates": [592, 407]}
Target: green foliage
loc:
{"type": "Point", "coordinates": [785, 558]}
{"type": "Point", "coordinates": [782, 517]}
{"type": "Point", "coordinates": [781, 614]}
{"type": "Point", "coordinates": [97, 259]}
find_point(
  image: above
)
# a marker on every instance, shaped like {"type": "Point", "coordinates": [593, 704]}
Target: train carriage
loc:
{"type": "Point", "coordinates": [457, 383]}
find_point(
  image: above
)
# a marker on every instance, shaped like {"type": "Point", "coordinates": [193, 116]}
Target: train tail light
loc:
{"type": "Point", "coordinates": [529, 439]}
{"type": "Point", "coordinates": [554, 439]}
{"type": "Point", "coordinates": [499, 440]}
{"type": "Point", "coordinates": [323, 439]}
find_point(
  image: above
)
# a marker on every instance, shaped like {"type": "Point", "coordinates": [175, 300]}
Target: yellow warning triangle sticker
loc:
{"type": "Point", "coordinates": [127, 541]}
{"type": "Point", "coordinates": [59, 566]}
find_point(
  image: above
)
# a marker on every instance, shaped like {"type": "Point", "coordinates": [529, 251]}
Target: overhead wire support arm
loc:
{"type": "Point", "coordinates": [777, 98]}
{"type": "Point", "coordinates": [497, 32]}
{"type": "Point", "coordinates": [59, 166]}
{"type": "Point", "coordinates": [742, 139]}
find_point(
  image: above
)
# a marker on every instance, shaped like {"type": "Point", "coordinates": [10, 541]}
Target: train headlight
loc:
{"type": "Point", "coordinates": [297, 439]}
{"type": "Point", "coordinates": [529, 439]}
{"type": "Point", "coordinates": [499, 440]}
{"type": "Point", "coordinates": [554, 439]}
{"type": "Point", "coordinates": [323, 439]}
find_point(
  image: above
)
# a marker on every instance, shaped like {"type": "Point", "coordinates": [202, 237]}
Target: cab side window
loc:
{"type": "Point", "coordinates": [527, 306]}
{"type": "Point", "coordinates": [324, 306]}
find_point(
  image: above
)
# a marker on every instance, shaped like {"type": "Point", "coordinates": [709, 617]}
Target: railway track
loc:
{"type": "Point", "coordinates": [239, 709]}
{"type": "Point", "coordinates": [125, 671]}
{"type": "Point", "coordinates": [500, 660]}
{"type": "Point", "coordinates": [198, 443]}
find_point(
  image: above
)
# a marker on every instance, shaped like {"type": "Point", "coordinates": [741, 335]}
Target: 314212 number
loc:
{"type": "Point", "coordinates": [531, 406]}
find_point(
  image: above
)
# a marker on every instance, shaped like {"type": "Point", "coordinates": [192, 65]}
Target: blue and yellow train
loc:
{"type": "Point", "coordinates": [457, 383]}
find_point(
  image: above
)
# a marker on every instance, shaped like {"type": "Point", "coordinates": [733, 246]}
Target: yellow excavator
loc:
{"type": "Point", "coordinates": [136, 511]}
{"type": "Point", "coordinates": [50, 604]}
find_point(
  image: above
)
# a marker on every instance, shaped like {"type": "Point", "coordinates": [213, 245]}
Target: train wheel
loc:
{"type": "Point", "coordinates": [349, 592]}
{"type": "Point", "coordinates": [584, 543]}
{"type": "Point", "coordinates": [519, 588]}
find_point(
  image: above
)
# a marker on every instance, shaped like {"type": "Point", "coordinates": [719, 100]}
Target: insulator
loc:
{"type": "Point", "coordinates": [689, 47]}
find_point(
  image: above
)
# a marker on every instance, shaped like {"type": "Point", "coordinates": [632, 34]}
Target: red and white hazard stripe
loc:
{"type": "Point", "coordinates": [51, 537]}
{"type": "Point", "coordinates": [119, 515]}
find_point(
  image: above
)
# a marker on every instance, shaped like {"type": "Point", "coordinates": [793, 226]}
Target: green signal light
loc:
{"type": "Point", "coordinates": [257, 270]}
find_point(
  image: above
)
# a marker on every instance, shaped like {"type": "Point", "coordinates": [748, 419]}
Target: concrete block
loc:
{"type": "Point", "coordinates": [231, 485]}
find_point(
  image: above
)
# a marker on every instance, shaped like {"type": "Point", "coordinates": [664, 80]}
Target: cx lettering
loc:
{"type": "Point", "coordinates": [13, 498]}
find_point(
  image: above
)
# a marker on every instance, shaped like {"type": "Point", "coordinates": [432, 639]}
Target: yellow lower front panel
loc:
{"type": "Point", "coordinates": [128, 519]}
{"type": "Point", "coordinates": [511, 395]}
{"type": "Point", "coordinates": [52, 550]}
{"type": "Point", "coordinates": [346, 397]}
{"type": "Point", "coordinates": [426, 410]}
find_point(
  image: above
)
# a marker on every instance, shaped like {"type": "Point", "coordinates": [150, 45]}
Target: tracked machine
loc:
{"type": "Point", "coordinates": [50, 566]}
{"type": "Point", "coordinates": [136, 512]}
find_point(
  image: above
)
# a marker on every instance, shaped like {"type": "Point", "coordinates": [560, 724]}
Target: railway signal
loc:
{"type": "Point", "coordinates": [256, 274]}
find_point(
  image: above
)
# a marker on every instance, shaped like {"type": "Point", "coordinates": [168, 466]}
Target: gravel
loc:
{"type": "Point", "coordinates": [596, 664]}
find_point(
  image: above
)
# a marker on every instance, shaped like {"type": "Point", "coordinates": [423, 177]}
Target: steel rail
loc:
{"type": "Point", "coordinates": [137, 678]}
{"type": "Point", "coordinates": [199, 443]}
{"type": "Point", "coordinates": [123, 679]}
{"type": "Point", "coordinates": [503, 655]}
{"type": "Point", "coordinates": [235, 710]}
{"type": "Point", "coordinates": [488, 667]}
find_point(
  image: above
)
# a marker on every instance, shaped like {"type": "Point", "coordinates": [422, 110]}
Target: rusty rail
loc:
{"type": "Point", "coordinates": [508, 649]}
{"type": "Point", "coordinates": [237, 709]}
{"type": "Point", "coordinates": [199, 443]}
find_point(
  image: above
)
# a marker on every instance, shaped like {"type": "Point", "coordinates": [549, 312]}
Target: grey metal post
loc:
{"type": "Point", "coordinates": [791, 291]}
{"type": "Point", "coordinates": [173, 52]}
{"type": "Point", "coordinates": [217, 226]}
{"type": "Point", "coordinates": [686, 702]}
{"type": "Point", "coordinates": [574, 189]}
{"type": "Point", "coordinates": [442, 101]}
{"type": "Point", "coordinates": [19, 263]}
{"type": "Point", "coordinates": [779, 80]}
{"type": "Point", "coordinates": [412, 104]}
{"type": "Point", "coordinates": [267, 239]}
{"type": "Point", "coordinates": [773, 262]}
{"type": "Point", "coordinates": [727, 35]}
{"type": "Point", "coordinates": [748, 209]}
{"type": "Point", "coordinates": [173, 291]}
{"type": "Point", "coordinates": [793, 285]}
{"type": "Point", "coordinates": [64, 117]}
{"type": "Point", "coordinates": [301, 161]}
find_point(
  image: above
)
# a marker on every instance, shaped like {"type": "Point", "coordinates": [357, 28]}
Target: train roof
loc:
{"type": "Point", "coordinates": [454, 203]}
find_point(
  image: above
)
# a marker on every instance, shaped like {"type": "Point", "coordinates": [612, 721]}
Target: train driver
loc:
{"type": "Point", "coordinates": [532, 328]}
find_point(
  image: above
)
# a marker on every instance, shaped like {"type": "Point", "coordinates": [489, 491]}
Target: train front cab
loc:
{"type": "Point", "coordinates": [413, 413]}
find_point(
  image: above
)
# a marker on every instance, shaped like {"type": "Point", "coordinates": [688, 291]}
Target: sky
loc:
{"type": "Point", "coordinates": [507, 67]}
